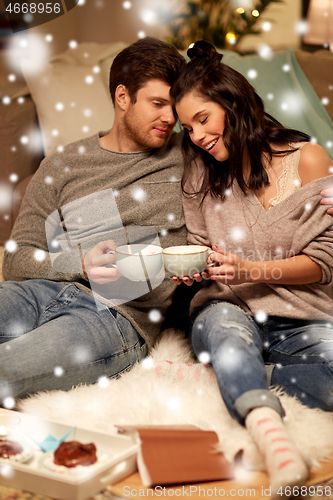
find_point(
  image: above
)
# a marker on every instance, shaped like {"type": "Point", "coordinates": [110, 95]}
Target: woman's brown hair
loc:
{"type": "Point", "coordinates": [247, 126]}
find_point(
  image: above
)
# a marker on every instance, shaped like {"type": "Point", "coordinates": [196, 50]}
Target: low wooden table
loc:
{"type": "Point", "coordinates": [252, 485]}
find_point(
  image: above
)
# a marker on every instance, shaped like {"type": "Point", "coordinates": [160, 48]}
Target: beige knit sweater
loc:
{"type": "Point", "coordinates": [241, 226]}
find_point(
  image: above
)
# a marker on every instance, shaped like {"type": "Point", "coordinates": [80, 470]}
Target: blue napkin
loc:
{"type": "Point", "coordinates": [50, 443]}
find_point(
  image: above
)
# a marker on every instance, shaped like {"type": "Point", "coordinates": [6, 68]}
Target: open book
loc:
{"type": "Point", "coordinates": [178, 455]}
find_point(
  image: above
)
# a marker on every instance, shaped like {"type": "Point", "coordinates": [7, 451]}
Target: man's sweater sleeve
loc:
{"type": "Point", "coordinates": [31, 259]}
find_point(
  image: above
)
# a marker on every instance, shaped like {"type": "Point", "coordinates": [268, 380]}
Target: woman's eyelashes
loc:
{"type": "Point", "coordinates": [202, 122]}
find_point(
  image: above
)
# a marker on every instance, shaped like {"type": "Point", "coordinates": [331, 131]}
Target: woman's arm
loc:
{"type": "Point", "coordinates": [232, 270]}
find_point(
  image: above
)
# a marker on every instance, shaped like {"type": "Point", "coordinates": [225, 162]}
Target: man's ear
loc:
{"type": "Point", "coordinates": [122, 97]}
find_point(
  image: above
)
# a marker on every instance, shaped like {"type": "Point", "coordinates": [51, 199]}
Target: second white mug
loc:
{"type": "Point", "coordinates": [186, 260]}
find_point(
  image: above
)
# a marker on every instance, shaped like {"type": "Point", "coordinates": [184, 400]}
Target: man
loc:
{"type": "Point", "coordinates": [69, 318]}
{"type": "Point", "coordinates": [55, 332]}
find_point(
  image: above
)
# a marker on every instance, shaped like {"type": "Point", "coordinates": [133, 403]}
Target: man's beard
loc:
{"type": "Point", "coordinates": [132, 130]}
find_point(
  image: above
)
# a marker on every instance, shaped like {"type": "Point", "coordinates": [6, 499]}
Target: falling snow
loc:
{"type": "Point", "coordinates": [48, 179]}
{"type": "Point", "coordinates": [103, 382]}
{"type": "Point", "coordinates": [55, 244]}
{"type": "Point", "coordinates": [261, 316]}
{"type": "Point", "coordinates": [174, 404]}
{"type": "Point", "coordinates": [155, 316]}
{"type": "Point", "coordinates": [58, 371]}
{"type": "Point", "coordinates": [237, 234]}
{"type": "Point", "coordinates": [147, 363]}
{"type": "Point", "coordinates": [39, 255]}
{"type": "Point", "coordinates": [9, 403]}
{"type": "Point", "coordinates": [252, 73]}
{"type": "Point", "coordinates": [7, 471]}
{"type": "Point", "coordinates": [11, 246]}
{"type": "Point", "coordinates": [265, 52]}
{"type": "Point", "coordinates": [13, 177]}
{"type": "Point", "coordinates": [204, 357]}
{"type": "Point", "coordinates": [139, 194]}
{"type": "Point", "coordinates": [266, 26]}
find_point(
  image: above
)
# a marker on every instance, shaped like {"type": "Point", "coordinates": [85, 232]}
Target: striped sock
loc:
{"type": "Point", "coordinates": [284, 463]}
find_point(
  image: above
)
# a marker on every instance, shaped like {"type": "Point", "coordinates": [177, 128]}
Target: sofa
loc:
{"type": "Point", "coordinates": [67, 98]}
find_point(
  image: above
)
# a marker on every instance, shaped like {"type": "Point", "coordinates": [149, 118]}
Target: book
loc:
{"type": "Point", "coordinates": [178, 455]}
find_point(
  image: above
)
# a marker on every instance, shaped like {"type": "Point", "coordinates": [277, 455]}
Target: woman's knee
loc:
{"type": "Point", "coordinates": [220, 322]}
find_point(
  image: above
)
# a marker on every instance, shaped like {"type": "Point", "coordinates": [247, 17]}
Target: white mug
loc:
{"type": "Point", "coordinates": [138, 262]}
{"type": "Point", "coordinates": [185, 260]}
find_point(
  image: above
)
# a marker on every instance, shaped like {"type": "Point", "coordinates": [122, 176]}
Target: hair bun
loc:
{"type": "Point", "coordinates": [203, 50]}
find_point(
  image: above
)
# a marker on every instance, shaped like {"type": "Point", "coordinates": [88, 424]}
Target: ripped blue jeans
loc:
{"type": "Point", "coordinates": [53, 337]}
{"type": "Point", "coordinates": [300, 354]}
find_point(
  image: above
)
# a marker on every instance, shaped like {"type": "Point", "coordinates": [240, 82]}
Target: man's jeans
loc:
{"type": "Point", "coordinates": [302, 352]}
{"type": "Point", "coordinates": [53, 337]}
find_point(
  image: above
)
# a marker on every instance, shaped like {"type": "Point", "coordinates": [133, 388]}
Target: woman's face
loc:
{"type": "Point", "coordinates": [204, 121]}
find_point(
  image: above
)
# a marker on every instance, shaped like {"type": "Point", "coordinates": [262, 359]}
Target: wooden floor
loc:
{"type": "Point", "coordinates": [247, 485]}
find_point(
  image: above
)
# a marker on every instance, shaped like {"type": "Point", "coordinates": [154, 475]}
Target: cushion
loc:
{"type": "Point", "coordinates": [318, 68]}
{"type": "Point", "coordinates": [18, 121]}
{"type": "Point", "coordinates": [71, 98]}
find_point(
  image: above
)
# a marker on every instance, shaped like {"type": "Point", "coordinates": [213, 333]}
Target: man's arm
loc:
{"type": "Point", "coordinates": [327, 199]}
{"type": "Point", "coordinates": [28, 257]}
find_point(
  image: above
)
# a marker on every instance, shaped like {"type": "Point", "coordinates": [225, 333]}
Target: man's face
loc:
{"type": "Point", "coordinates": [148, 122]}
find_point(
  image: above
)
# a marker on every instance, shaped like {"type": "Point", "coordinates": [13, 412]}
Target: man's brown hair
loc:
{"type": "Point", "coordinates": [144, 60]}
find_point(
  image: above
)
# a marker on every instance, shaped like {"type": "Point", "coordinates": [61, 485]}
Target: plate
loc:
{"type": "Point", "coordinates": [24, 456]}
{"type": "Point", "coordinates": [47, 462]}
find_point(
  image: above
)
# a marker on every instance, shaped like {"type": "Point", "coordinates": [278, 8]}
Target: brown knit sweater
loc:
{"type": "Point", "coordinates": [296, 224]}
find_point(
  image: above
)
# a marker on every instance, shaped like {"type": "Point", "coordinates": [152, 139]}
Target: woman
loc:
{"type": "Point", "coordinates": [250, 192]}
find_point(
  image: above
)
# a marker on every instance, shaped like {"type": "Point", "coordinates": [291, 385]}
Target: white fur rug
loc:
{"type": "Point", "coordinates": [169, 387]}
